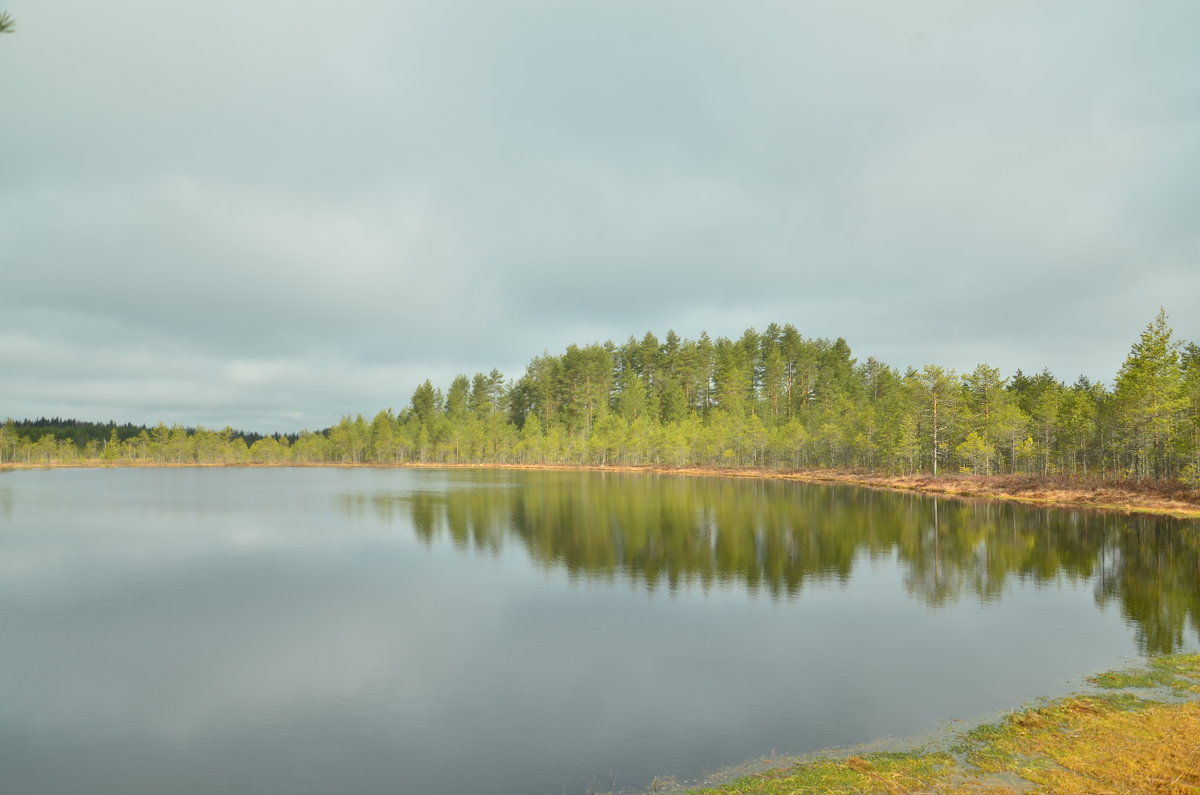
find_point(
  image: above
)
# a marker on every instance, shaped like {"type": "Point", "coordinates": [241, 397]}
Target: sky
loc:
{"type": "Point", "coordinates": [270, 215]}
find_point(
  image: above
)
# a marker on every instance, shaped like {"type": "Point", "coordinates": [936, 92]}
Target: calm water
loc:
{"type": "Point", "coordinates": [400, 631]}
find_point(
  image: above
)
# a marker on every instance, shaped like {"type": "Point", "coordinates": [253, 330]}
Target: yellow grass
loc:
{"type": "Point", "coordinates": [1115, 743]}
{"type": "Point", "coordinates": [1085, 745]}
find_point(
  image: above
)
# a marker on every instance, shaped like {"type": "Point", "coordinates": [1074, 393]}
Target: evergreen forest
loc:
{"type": "Point", "coordinates": [770, 399]}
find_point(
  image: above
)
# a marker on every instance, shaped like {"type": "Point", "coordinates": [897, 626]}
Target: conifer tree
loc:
{"type": "Point", "coordinates": [1191, 437]}
{"type": "Point", "coordinates": [936, 393]}
{"type": "Point", "coordinates": [1150, 401]}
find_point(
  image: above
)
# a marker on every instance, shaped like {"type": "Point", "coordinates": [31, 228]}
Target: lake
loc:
{"type": "Point", "coordinates": [452, 631]}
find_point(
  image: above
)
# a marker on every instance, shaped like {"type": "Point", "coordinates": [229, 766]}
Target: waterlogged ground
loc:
{"type": "Point", "coordinates": [1141, 736]}
{"type": "Point", "coordinates": [316, 630]}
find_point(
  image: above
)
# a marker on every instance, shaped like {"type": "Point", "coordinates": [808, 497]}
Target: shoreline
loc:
{"type": "Point", "coordinates": [1126, 497]}
{"type": "Point", "coordinates": [1132, 730]}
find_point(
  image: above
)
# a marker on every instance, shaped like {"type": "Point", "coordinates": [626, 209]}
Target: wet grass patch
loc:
{"type": "Point", "coordinates": [1115, 742]}
{"type": "Point", "coordinates": [1179, 673]}
{"type": "Point", "coordinates": [912, 771]}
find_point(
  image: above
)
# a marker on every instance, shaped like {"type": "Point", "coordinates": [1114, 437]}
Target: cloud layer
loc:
{"type": "Point", "coordinates": [242, 214]}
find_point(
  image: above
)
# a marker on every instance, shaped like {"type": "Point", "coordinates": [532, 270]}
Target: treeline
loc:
{"type": "Point", "coordinates": [56, 440]}
{"type": "Point", "coordinates": [82, 433]}
{"type": "Point", "coordinates": [767, 399]}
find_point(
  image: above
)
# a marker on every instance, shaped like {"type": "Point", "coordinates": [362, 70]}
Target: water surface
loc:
{"type": "Point", "coordinates": [418, 631]}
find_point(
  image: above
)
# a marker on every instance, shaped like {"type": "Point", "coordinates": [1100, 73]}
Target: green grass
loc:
{"type": "Point", "coordinates": [877, 772]}
{"type": "Point", "coordinates": [1110, 742]}
{"type": "Point", "coordinates": [1180, 673]}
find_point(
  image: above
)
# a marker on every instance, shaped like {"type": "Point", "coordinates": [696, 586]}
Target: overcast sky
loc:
{"type": "Point", "coordinates": [270, 214]}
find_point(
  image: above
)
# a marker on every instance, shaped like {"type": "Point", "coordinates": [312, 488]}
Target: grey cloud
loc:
{"type": "Point", "coordinates": [430, 188]}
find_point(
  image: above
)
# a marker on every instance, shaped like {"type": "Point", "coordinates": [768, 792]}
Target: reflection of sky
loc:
{"type": "Point", "coordinates": [187, 630]}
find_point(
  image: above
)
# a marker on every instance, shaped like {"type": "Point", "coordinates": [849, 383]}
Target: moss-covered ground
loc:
{"type": "Point", "coordinates": [1139, 734]}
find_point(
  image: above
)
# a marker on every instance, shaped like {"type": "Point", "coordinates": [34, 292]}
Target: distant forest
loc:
{"type": "Point", "coordinates": [770, 399]}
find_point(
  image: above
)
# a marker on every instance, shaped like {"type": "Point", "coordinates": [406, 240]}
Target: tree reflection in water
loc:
{"type": "Point", "coordinates": [771, 537]}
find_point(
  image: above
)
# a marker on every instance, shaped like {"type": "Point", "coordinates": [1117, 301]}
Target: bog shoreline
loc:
{"type": "Point", "coordinates": [1133, 730]}
{"type": "Point", "coordinates": [1107, 495]}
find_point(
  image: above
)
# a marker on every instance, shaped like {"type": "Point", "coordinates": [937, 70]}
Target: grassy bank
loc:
{"type": "Point", "coordinates": [1166, 498]}
{"type": "Point", "coordinates": [1139, 733]}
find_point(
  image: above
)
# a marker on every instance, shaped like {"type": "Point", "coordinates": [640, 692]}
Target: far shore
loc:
{"type": "Point", "coordinates": [1158, 498]}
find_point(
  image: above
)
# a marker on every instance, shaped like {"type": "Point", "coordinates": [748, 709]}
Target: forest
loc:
{"type": "Point", "coordinates": [770, 399]}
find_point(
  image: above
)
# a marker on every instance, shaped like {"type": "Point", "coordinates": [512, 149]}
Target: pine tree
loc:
{"type": "Point", "coordinates": [1190, 442]}
{"type": "Point", "coordinates": [1150, 402]}
{"type": "Point", "coordinates": [936, 393]}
